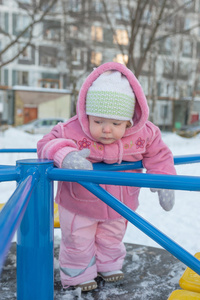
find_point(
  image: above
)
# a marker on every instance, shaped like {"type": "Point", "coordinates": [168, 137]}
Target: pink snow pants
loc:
{"type": "Point", "coordinates": [89, 246]}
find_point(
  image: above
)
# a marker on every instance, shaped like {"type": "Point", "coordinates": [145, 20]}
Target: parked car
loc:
{"type": "Point", "coordinates": [189, 131]}
{"type": "Point", "coordinates": [40, 126]}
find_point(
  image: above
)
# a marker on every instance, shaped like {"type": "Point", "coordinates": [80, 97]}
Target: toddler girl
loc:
{"type": "Point", "coordinates": [111, 126]}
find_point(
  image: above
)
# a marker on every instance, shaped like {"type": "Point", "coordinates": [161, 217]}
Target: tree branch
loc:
{"type": "Point", "coordinates": [26, 29]}
{"type": "Point", "coordinates": [153, 32]}
{"type": "Point", "coordinates": [111, 27]}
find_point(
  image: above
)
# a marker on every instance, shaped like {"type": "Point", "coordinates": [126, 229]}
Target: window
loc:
{"type": "Point", "coordinates": [120, 58]}
{"type": "Point", "coordinates": [144, 42]}
{"type": "Point", "coordinates": [1, 103]}
{"type": "Point", "coordinates": [164, 111]}
{"type": "Point", "coordinates": [26, 54]}
{"type": "Point", "coordinates": [51, 30]}
{"type": "Point", "coordinates": [187, 24]}
{"type": "Point", "coordinates": [5, 76]}
{"type": "Point", "coordinates": [48, 82]}
{"type": "Point", "coordinates": [108, 36]}
{"type": "Point", "coordinates": [96, 58]}
{"type": "Point", "coordinates": [183, 91]}
{"type": "Point", "coordinates": [20, 22]}
{"type": "Point", "coordinates": [122, 13]}
{"type": "Point", "coordinates": [48, 56]}
{"type": "Point", "coordinates": [168, 67]}
{"type": "Point", "coordinates": [189, 5]}
{"type": "Point", "coordinates": [198, 49]}
{"type": "Point", "coordinates": [75, 5]}
{"type": "Point", "coordinates": [76, 56]}
{"type": "Point", "coordinates": [167, 88]}
{"type": "Point", "coordinates": [169, 23]}
{"type": "Point", "coordinates": [73, 31]}
{"type": "Point", "coordinates": [48, 61]}
{"type": "Point", "coordinates": [187, 49]}
{"type": "Point", "coordinates": [198, 85]}
{"type": "Point", "coordinates": [97, 6]}
{"type": "Point", "coordinates": [159, 89]}
{"type": "Point", "coordinates": [20, 77]}
{"type": "Point", "coordinates": [4, 22]}
{"type": "Point", "coordinates": [144, 84]}
{"type": "Point", "coordinates": [45, 6]}
{"type": "Point", "coordinates": [121, 37]}
{"type": "Point", "coordinates": [97, 33]}
{"type": "Point", "coordinates": [166, 46]}
{"type": "Point", "coordinates": [24, 78]}
{"type": "Point", "coordinates": [184, 69]}
{"type": "Point", "coordinates": [146, 17]}
{"type": "Point", "coordinates": [52, 34]}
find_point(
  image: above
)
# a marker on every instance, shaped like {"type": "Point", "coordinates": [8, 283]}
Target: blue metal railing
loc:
{"type": "Point", "coordinates": [13, 211]}
{"type": "Point", "coordinates": [145, 227]}
{"type": "Point", "coordinates": [15, 150]}
{"type": "Point", "coordinates": [35, 232]}
{"type": "Point", "coordinates": [179, 182]}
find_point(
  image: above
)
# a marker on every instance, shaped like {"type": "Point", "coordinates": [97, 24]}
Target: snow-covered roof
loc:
{"type": "Point", "coordinates": [40, 89]}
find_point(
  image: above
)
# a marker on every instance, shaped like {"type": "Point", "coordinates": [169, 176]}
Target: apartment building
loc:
{"type": "Point", "coordinates": [76, 36]}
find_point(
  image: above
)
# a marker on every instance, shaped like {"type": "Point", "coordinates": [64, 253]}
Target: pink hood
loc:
{"type": "Point", "coordinates": [141, 108]}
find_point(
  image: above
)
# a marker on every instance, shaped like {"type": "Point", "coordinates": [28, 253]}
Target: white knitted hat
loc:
{"type": "Point", "coordinates": [111, 96]}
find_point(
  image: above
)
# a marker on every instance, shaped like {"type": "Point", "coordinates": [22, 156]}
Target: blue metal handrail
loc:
{"type": "Point", "coordinates": [144, 226]}
{"type": "Point", "coordinates": [183, 159]}
{"type": "Point", "coordinates": [9, 173]}
{"type": "Point", "coordinates": [179, 182]}
{"type": "Point", "coordinates": [35, 234]}
{"type": "Point", "coordinates": [17, 150]}
{"type": "Point", "coordinates": [12, 213]}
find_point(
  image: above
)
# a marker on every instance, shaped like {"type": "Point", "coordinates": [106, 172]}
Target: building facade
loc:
{"type": "Point", "coordinates": [76, 36]}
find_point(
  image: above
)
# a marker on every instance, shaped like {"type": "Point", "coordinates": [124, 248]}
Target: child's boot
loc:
{"type": "Point", "coordinates": [112, 275]}
{"type": "Point", "coordinates": [87, 285]}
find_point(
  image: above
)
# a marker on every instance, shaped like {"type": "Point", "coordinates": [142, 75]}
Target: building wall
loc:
{"type": "Point", "coordinates": [89, 42]}
{"type": "Point", "coordinates": [35, 104]}
{"type": "Point", "coordinates": [18, 110]}
{"type": "Point", "coordinates": [60, 107]}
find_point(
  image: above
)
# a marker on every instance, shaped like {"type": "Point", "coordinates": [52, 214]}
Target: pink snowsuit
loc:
{"type": "Point", "coordinates": [92, 232]}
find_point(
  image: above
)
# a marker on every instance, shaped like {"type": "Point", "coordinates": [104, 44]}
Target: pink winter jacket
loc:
{"type": "Point", "coordinates": [141, 142]}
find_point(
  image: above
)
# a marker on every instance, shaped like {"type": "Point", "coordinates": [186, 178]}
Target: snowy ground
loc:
{"type": "Point", "coordinates": [181, 224]}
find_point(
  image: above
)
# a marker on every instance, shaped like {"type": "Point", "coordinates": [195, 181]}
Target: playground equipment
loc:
{"type": "Point", "coordinates": [56, 215]}
{"type": "Point", "coordinates": [190, 280]}
{"type": "Point", "coordinates": [30, 211]}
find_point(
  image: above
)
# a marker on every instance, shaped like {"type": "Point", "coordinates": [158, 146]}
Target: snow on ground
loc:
{"type": "Point", "coordinates": [181, 224]}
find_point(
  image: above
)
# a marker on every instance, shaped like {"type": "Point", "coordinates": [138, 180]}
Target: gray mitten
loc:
{"type": "Point", "coordinates": [77, 160]}
{"type": "Point", "coordinates": [166, 198]}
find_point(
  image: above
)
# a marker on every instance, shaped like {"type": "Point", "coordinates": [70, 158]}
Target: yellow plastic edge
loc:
{"type": "Point", "coordinates": [190, 280]}
{"type": "Point", "coordinates": [56, 216]}
{"type": "Point", "coordinates": [184, 295]}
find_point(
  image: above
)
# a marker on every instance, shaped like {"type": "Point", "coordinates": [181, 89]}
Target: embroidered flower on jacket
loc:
{"type": "Point", "coordinates": [84, 144]}
{"type": "Point", "coordinates": [126, 146]}
{"type": "Point", "coordinates": [139, 143]}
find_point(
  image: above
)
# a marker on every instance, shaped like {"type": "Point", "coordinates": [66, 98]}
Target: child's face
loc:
{"type": "Point", "coordinates": [107, 131]}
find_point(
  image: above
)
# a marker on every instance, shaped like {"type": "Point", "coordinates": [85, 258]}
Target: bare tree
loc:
{"type": "Point", "coordinates": [149, 26]}
{"type": "Point", "coordinates": [16, 44]}
{"type": "Point", "coordinates": [144, 24]}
